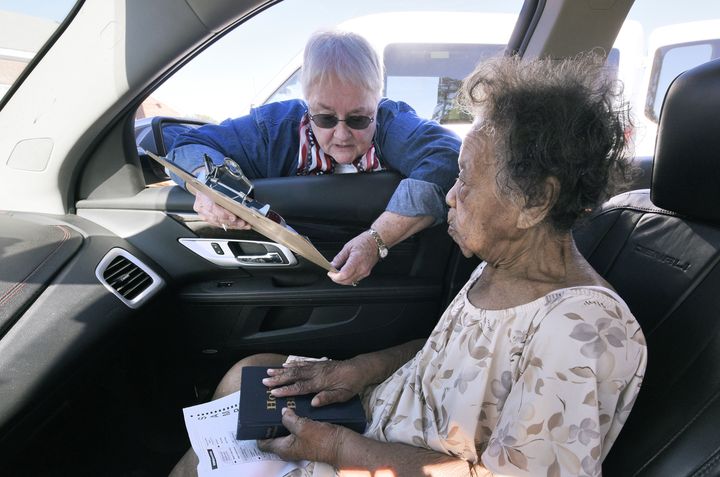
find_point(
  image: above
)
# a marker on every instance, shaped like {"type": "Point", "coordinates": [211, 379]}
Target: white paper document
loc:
{"type": "Point", "coordinates": [212, 426]}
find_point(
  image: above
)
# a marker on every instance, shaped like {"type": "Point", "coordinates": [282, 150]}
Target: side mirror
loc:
{"type": "Point", "coordinates": [669, 62]}
{"type": "Point", "coordinates": [157, 135]}
{"type": "Point", "coordinates": [165, 130]}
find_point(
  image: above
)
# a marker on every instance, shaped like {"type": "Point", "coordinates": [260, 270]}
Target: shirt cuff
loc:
{"type": "Point", "coordinates": [413, 198]}
{"type": "Point", "coordinates": [190, 159]}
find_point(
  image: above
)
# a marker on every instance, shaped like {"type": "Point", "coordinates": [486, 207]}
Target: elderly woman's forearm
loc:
{"type": "Point", "coordinates": [394, 228]}
{"type": "Point", "coordinates": [356, 452]}
{"type": "Point", "coordinates": [379, 365]}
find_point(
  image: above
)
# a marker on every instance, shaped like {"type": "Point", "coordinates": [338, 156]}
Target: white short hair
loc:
{"type": "Point", "coordinates": [342, 55]}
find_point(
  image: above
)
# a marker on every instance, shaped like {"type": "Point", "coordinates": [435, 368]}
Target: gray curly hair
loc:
{"type": "Point", "coordinates": [552, 118]}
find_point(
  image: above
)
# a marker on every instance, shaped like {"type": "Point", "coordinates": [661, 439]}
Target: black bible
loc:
{"type": "Point", "coordinates": [260, 417]}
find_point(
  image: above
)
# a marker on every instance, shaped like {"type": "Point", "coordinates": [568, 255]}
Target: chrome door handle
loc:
{"type": "Point", "coordinates": [224, 252]}
{"type": "Point", "coordinates": [268, 258]}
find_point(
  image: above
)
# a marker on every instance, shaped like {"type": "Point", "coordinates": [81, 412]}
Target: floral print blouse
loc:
{"type": "Point", "coordinates": [538, 389]}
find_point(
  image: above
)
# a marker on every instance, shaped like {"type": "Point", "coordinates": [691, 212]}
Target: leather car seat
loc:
{"type": "Point", "coordinates": [660, 249]}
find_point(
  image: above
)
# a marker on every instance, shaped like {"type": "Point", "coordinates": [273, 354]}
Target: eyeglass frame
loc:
{"type": "Point", "coordinates": [338, 120]}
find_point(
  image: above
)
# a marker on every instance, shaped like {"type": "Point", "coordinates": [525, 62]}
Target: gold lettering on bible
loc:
{"type": "Point", "coordinates": [291, 403]}
{"type": "Point", "coordinates": [271, 403]}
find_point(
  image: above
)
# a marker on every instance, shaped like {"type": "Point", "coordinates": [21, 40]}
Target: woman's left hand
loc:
{"type": "Point", "coordinates": [355, 260]}
{"type": "Point", "coordinates": [308, 440]}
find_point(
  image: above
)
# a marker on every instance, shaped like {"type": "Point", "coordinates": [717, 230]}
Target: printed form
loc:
{"type": "Point", "coordinates": [212, 426]}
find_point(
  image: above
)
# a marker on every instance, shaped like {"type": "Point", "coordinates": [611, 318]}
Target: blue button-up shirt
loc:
{"type": "Point", "coordinates": [266, 142]}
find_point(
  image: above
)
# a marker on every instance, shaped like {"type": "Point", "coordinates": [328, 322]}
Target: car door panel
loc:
{"type": "Point", "coordinates": [230, 312]}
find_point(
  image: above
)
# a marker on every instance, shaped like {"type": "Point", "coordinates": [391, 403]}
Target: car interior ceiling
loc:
{"type": "Point", "coordinates": [133, 369]}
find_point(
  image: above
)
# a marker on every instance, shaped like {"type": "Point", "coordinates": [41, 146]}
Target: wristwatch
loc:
{"type": "Point", "coordinates": [382, 248]}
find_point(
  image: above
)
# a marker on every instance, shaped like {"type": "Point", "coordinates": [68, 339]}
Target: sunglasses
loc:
{"type": "Point", "coordinates": [328, 121]}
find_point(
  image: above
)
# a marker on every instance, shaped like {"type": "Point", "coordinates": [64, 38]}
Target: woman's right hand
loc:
{"type": "Point", "coordinates": [333, 381]}
{"type": "Point", "coordinates": [215, 215]}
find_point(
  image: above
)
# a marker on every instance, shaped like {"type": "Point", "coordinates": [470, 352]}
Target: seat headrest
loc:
{"type": "Point", "coordinates": [686, 167]}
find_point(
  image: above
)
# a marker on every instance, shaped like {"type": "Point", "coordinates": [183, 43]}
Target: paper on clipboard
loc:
{"type": "Point", "coordinates": [267, 227]}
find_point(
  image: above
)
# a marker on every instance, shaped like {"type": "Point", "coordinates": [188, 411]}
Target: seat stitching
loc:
{"type": "Point", "coordinates": [656, 210]}
{"type": "Point", "coordinates": [692, 287]}
{"type": "Point", "coordinates": [706, 467]}
{"type": "Point", "coordinates": [709, 266]}
{"type": "Point", "coordinates": [677, 434]}
{"type": "Point", "coordinates": [18, 287]}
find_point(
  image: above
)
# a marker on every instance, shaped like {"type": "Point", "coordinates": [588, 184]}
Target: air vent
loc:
{"type": "Point", "coordinates": [127, 277]}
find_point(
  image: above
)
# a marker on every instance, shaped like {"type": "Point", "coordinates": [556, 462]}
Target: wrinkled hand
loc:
{"type": "Point", "coordinates": [308, 440]}
{"type": "Point", "coordinates": [333, 381]}
{"type": "Point", "coordinates": [215, 215]}
{"type": "Point", "coordinates": [355, 261]}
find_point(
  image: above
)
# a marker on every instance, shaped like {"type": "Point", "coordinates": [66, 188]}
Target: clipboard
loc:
{"type": "Point", "coordinates": [267, 227]}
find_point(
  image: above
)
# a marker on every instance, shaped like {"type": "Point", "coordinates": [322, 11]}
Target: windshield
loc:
{"type": "Point", "coordinates": [428, 75]}
{"type": "Point", "coordinates": [24, 27]}
{"type": "Point", "coordinates": [240, 71]}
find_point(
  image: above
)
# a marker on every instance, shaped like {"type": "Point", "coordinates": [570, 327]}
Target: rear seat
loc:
{"type": "Point", "coordinates": [660, 249]}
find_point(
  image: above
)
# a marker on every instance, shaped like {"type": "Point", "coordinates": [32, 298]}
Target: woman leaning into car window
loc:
{"type": "Point", "coordinates": [343, 126]}
{"type": "Point", "coordinates": [536, 363]}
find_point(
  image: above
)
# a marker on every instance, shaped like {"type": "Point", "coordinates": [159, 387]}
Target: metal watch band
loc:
{"type": "Point", "coordinates": [382, 248]}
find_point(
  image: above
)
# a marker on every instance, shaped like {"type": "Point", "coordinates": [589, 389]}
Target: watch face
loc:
{"type": "Point", "coordinates": [382, 249]}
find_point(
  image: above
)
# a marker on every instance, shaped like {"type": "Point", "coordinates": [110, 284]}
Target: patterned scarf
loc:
{"type": "Point", "coordinates": [313, 160]}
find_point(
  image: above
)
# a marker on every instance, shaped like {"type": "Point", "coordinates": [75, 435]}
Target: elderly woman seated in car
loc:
{"type": "Point", "coordinates": [536, 363]}
{"type": "Point", "coordinates": [343, 126]}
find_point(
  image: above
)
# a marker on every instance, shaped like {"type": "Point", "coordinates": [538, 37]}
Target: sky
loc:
{"type": "Point", "coordinates": [50, 9]}
{"type": "Point", "coordinates": [225, 79]}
